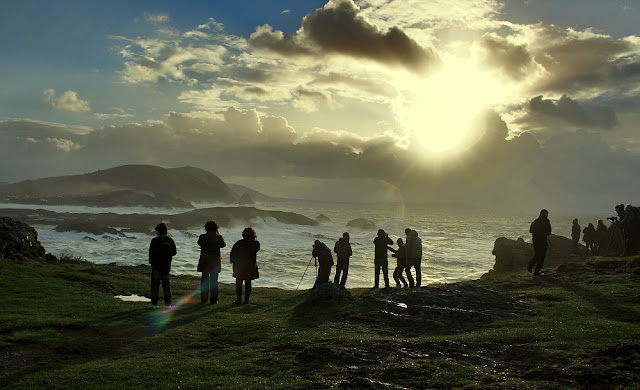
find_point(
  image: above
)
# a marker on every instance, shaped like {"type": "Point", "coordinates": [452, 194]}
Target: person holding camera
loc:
{"type": "Point", "coordinates": [322, 253]}
{"type": "Point", "coordinates": [343, 251]}
{"type": "Point", "coordinates": [381, 258]}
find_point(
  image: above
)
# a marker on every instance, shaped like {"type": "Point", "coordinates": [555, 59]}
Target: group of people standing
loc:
{"type": "Point", "coordinates": [408, 256]}
{"type": "Point", "coordinates": [243, 256]}
{"type": "Point", "coordinates": [622, 237]}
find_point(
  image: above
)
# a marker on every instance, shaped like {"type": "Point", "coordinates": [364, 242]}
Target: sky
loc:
{"type": "Point", "coordinates": [514, 105]}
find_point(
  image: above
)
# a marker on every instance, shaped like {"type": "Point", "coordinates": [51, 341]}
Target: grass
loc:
{"type": "Point", "coordinates": [578, 326]}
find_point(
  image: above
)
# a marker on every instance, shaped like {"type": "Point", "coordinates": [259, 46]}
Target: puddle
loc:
{"type": "Point", "coordinates": [132, 298]}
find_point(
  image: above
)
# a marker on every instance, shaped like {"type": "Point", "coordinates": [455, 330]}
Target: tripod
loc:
{"type": "Point", "coordinates": [305, 271]}
{"type": "Point", "coordinates": [615, 243]}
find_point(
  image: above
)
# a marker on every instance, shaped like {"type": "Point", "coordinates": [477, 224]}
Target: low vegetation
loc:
{"type": "Point", "coordinates": [576, 327]}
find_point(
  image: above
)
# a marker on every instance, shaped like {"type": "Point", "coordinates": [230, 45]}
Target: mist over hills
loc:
{"type": "Point", "coordinates": [128, 185]}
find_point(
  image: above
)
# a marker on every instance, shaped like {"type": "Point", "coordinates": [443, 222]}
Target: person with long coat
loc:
{"type": "Point", "coordinates": [243, 256]}
{"type": "Point", "coordinates": [210, 261]}
{"type": "Point", "coordinates": [540, 229]}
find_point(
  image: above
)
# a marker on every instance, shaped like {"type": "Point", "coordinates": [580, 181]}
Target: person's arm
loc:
{"type": "Point", "coordinates": [222, 243]}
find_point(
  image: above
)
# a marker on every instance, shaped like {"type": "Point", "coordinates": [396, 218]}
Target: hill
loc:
{"type": "Point", "coordinates": [162, 186]}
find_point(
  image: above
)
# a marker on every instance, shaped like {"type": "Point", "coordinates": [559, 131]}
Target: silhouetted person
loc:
{"type": "Point", "coordinates": [210, 261]}
{"type": "Point", "coordinates": [575, 235]}
{"type": "Point", "coordinates": [589, 238]}
{"type": "Point", "coordinates": [343, 251]}
{"type": "Point", "coordinates": [540, 228]}
{"type": "Point", "coordinates": [413, 247]}
{"type": "Point", "coordinates": [322, 254]}
{"type": "Point", "coordinates": [631, 228]}
{"type": "Point", "coordinates": [620, 211]}
{"type": "Point", "coordinates": [244, 258]}
{"type": "Point", "coordinates": [381, 257]}
{"type": "Point", "coordinates": [401, 255]}
{"type": "Point", "coordinates": [161, 252]}
{"type": "Point", "coordinates": [600, 237]}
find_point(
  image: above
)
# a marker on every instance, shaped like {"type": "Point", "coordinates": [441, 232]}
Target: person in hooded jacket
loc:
{"type": "Point", "coordinates": [210, 261]}
{"type": "Point", "coordinates": [413, 247]}
{"type": "Point", "coordinates": [161, 252]}
{"type": "Point", "coordinates": [243, 256]}
{"type": "Point", "coordinates": [343, 251]}
{"type": "Point", "coordinates": [381, 257]}
{"type": "Point", "coordinates": [322, 253]}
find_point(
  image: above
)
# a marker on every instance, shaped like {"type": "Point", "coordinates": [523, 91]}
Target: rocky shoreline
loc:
{"type": "Point", "coordinates": [144, 223]}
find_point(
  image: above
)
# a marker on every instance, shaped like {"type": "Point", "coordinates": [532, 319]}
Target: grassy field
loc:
{"type": "Point", "coordinates": [576, 327]}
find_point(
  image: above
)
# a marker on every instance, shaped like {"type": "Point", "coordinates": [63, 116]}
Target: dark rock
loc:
{"type": "Point", "coordinates": [87, 238]}
{"type": "Point", "coordinates": [362, 223]}
{"type": "Point", "coordinates": [328, 293]}
{"type": "Point", "coordinates": [85, 226]}
{"type": "Point", "coordinates": [514, 255]}
{"type": "Point", "coordinates": [19, 239]}
{"type": "Point", "coordinates": [245, 199]}
{"type": "Point", "coordinates": [50, 257]}
{"type": "Point", "coordinates": [322, 219]}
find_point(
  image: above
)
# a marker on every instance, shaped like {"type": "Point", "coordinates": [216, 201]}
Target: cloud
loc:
{"type": "Point", "coordinates": [339, 29]}
{"type": "Point", "coordinates": [68, 101]}
{"type": "Point", "coordinates": [156, 18]}
{"type": "Point", "coordinates": [285, 11]}
{"type": "Point", "coordinates": [572, 111]}
{"type": "Point", "coordinates": [513, 60]}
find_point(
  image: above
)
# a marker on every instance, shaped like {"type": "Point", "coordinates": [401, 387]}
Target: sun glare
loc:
{"type": "Point", "coordinates": [439, 111]}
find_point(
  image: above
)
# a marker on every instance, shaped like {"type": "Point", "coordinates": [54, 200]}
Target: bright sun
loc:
{"type": "Point", "coordinates": [440, 110]}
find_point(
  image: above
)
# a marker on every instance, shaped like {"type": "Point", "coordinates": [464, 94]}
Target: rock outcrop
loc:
{"type": "Point", "coordinates": [245, 199]}
{"type": "Point", "coordinates": [19, 240]}
{"type": "Point", "coordinates": [362, 223]}
{"type": "Point", "coordinates": [514, 255]}
{"type": "Point", "coordinates": [322, 219]}
{"type": "Point", "coordinates": [327, 293]}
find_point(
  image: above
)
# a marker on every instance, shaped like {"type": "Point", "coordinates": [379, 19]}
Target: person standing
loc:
{"type": "Point", "coordinates": [343, 251]}
{"type": "Point", "coordinates": [381, 259]}
{"type": "Point", "coordinates": [161, 252]}
{"type": "Point", "coordinates": [243, 256]}
{"type": "Point", "coordinates": [601, 238]}
{"type": "Point", "coordinates": [540, 228]}
{"type": "Point", "coordinates": [401, 255]}
{"type": "Point", "coordinates": [575, 235]}
{"type": "Point", "coordinates": [210, 261]}
{"type": "Point", "coordinates": [322, 253]}
{"type": "Point", "coordinates": [414, 256]}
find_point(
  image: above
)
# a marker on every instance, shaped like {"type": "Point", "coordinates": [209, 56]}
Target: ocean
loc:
{"type": "Point", "coordinates": [457, 241]}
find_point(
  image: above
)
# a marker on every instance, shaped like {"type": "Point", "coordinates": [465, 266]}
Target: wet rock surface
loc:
{"type": "Point", "coordinates": [18, 239]}
{"type": "Point", "coordinates": [441, 309]}
{"type": "Point", "coordinates": [362, 223]}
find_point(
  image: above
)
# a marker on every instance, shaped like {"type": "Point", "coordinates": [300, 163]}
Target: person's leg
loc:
{"type": "Point", "coordinates": [155, 286]}
{"type": "Point", "coordinates": [408, 272]}
{"type": "Point", "coordinates": [238, 291]}
{"type": "Point", "coordinates": [418, 267]}
{"type": "Point", "coordinates": [376, 275]}
{"type": "Point", "coordinates": [247, 293]}
{"type": "Point", "coordinates": [345, 272]}
{"type": "Point", "coordinates": [204, 287]}
{"type": "Point", "coordinates": [542, 252]}
{"type": "Point", "coordinates": [385, 271]}
{"type": "Point", "coordinates": [396, 273]}
{"type": "Point", "coordinates": [336, 279]}
{"type": "Point", "coordinates": [534, 259]}
{"type": "Point", "coordinates": [214, 286]}
{"type": "Point", "coordinates": [166, 288]}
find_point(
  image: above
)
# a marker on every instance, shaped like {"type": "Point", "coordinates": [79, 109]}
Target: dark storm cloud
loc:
{"type": "Point", "coordinates": [338, 28]}
{"type": "Point", "coordinates": [514, 60]}
{"type": "Point", "coordinates": [576, 61]}
{"type": "Point", "coordinates": [584, 115]}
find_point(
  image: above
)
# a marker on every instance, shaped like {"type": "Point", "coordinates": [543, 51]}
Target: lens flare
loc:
{"type": "Point", "coordinates": [157, 320]}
